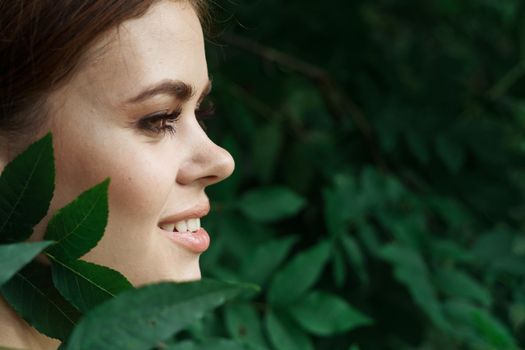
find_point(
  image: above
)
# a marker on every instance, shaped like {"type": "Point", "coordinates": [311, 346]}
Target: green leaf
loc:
{"type": "Point", "coordinates": [326, 314]}
{"type": "Point", "coordinates": [410, 270]}
{"type": "Point", "coordinates": [338, 267]}
{"type": "Point", "coordinates": [483, 327]}
{"type": "Point", "coordinates": [517, 314]}
{"type": "Point", "coordinates": [270, 135]}
{"type": "Point", "coordinates": [85, 285]}
{"type": "Point", "coordinates": [493, 245]}
{"type": "Point", "coordinates": [33, 297]}
{"type": "Point", "coordinates": [211, 344]}
{"type": "Point", "coordinates": [299, 275]}
{"type": "Point", "coordinates": [418, 146]}
{"type": "Point", "coordinates": [456, 283]}
{"type": "Point", "coordinates": [26, 189]}
{"type": "Point", "coordinates": [285, 335]}
{"type": "Point", "coordinates": [340, 205]}
{"type": "Point", "coordinates": [268, 204]}
{"type": "Point", "coordinates": [450, 153]}
{"type": "Point", "coordinates": [14, 257]}
{"type": "Point", "coordinates": [355, 257]}
{"type": "Point", "coordinates": [140, 318]}
{"type": "Point", "coordinates": [79, 226]}
{"type": "Point", "coordinates": [243, 323]}
{"type": "Point", "coordinates": [266, 258]}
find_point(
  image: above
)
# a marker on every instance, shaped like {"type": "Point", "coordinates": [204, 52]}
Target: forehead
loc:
{"type": "Point", "coordinates": [166, 43]}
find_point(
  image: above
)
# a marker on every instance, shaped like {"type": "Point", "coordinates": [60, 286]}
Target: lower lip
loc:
{"type": "Point", "coordinates": [196, 242]}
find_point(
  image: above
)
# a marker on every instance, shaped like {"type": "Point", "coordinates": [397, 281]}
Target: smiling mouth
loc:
{"type": "Point", "coordinates": [187, 234]}
{"type": "Point", "coordinates": [183, 226]}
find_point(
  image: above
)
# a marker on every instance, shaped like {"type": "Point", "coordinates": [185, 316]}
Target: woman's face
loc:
{"type": "Point", "coordinates": [108, 122]}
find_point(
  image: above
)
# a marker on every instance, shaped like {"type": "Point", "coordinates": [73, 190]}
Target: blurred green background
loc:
{"type": "Point", "coordinates": [379, 183]}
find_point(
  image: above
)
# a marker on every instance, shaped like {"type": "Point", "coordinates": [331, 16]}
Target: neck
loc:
{"type": "Point", "coordinates": [16, 333]}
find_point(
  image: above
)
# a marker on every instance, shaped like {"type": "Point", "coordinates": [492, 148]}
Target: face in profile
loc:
{"type": "Point", "coordinates": [130, 112]}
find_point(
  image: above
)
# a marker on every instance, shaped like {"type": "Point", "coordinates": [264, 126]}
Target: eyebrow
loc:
{"type": "Point", "coordinates": [175, 88]}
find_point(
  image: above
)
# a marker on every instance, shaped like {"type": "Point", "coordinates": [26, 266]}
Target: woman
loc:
{"type": "Point", "coordinates": [121, 85]}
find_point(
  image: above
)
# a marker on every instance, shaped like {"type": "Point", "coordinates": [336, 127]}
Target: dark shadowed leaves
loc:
{"type": "Point", "coordinates": [410, 270]}
{"type": "Point", "coordinates": [141, 318]}
{"type": "Point", "coordinates": [284, 334]}
{"type": "Point", "coordinates": [79, 226]}
{"type": "Point", "coordinates": [31, 293]}
{"type": "Point", "coordinates": [14, 257]}
{"type": "Point", "coordinates": [326, 314]}
{"type": "Point", "coordinates": [456, 283]}
{"type": "Point", "coordinates": [85, 285]}
{"type": "Point", "coordinates": [26, 189]}
{"type": "Point", "coordinates": [267, 143]}
{"type": "Point", "coordinates": [266, 259]}
{"type": "Point", "coordinates": [212, 344]}
{"type": "Point", "coordinates": [299, 275]}
{"type": "Point", "coordinates": [479, 327]}
{"type": "Point", "coordinates": [268, 204]}
{"type": "Point", "coordinates": [243, 323]}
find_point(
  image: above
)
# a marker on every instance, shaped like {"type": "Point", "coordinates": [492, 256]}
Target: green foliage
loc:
{"type": "Point", "coordinates": [141, 318]}
{"type": "Point", "coordinates": [15, 256]}
{"type": "Point", "coordinates": [286, 335]}
{"type": "Point", "coordinates": [85, 285]}
{"type": "Point", "coordinates": [79, 226]}
{"type": "Point", "coordinates": [299, 275]}
{"type": "Point", "coordinates": [326, 314]}
{"type": "Point", "coordinates": [48, 311]}
{"type": "Point", "coordinates": [26, 188]}
{"type": "Point", "coordinates": [268, 204]}
{"type": "Point", "coordinates": [399, 124]}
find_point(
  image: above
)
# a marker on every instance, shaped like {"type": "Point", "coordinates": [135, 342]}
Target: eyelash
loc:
{"type": "Point", "coordinates": [149, 123]}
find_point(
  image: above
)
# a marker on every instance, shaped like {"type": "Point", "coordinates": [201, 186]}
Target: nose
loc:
{"type": "Point", "coordinates": [207, 164]}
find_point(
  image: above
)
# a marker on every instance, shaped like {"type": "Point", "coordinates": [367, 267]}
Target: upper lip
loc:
{"type": "Point", "coordinates": [195, 212]}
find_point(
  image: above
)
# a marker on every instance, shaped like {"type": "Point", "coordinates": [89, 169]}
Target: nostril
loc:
{"type": "Point", "coordinates": [210, 180]}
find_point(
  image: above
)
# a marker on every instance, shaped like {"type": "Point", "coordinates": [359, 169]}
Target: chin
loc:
{"type": "Point", "coordinates": [193, 274]}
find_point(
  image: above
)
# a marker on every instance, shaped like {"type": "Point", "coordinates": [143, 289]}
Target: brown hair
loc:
{"type": "Point", "coordinates": [41, 44]}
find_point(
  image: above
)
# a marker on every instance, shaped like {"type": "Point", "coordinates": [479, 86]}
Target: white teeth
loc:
{"type": "Point", "coordinates": [168, 227]}
{"type": "Point", "coordinates": [193, 225]}
{"type": "Point", "coordinates": [181, 226]}
{"type": "Point", "coordinates": [190, 225]}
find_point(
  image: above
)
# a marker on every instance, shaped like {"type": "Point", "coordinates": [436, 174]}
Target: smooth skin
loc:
{"type": "Point", "coordinates": [98, 133]}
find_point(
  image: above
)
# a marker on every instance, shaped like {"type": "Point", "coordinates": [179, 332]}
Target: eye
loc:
{"type": "Point", "coordinates": [205, 110]}
{"type": "Point", "coordinates": [160, 123]}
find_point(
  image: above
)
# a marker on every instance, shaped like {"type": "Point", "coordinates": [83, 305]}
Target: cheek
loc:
{"type": "Point", "coordinates": [140, 178]}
